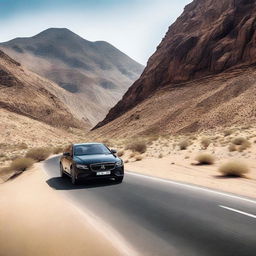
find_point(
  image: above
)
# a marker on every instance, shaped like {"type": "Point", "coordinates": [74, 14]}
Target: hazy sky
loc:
{"type": "Point", "coordinates": [135, 27]}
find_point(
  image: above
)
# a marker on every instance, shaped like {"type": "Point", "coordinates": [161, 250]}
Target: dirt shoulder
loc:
{"type": "Point", "coordinates": [36, 220]}
{"type": "Point", "coordinates": [179, 169]}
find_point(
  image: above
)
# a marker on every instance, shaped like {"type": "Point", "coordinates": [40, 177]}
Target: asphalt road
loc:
{"type": "Point", "coordinates": [158, 217]}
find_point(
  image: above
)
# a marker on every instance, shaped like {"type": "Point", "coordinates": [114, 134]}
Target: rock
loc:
{"type": "Point", "coordinates": [208, 38]}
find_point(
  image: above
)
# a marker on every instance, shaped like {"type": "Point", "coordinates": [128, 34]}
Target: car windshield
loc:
{"type": "Point", "coordinates": [91, 149]}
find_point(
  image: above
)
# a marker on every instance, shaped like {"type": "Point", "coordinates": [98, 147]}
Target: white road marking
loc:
{"type": "Point", "coordinates": [192, 187]}
{"type": "Point", "coordinates": [238, 211]}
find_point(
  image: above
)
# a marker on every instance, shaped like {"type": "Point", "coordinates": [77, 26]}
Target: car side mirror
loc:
{"type": "Point", "coordinates": [113, 151]}
{"type": "Point", "coordinates": [66, 154]}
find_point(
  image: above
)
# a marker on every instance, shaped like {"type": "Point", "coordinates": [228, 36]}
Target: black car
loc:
{"type": "Point", "coordinates": [91, 161]}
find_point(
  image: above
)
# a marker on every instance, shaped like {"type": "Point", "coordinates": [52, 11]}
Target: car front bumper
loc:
{"type": "Point", "coordinates": [89, 174]}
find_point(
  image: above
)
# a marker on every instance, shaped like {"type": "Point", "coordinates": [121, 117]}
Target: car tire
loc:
{"type": "Point", "coordinates": [61, 171]}
{"type": "Point", "coordinates": [119, 179]}
{"type": "Point", "coordinates": [73, 177]}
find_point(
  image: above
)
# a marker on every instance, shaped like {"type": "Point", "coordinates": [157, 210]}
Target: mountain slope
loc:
{"type": "Point", "coordinates": [96, 73]}
{"type": "Point", "coordinates": [25, 93]}
{"type": "Point", "coordinates": [209, 38]}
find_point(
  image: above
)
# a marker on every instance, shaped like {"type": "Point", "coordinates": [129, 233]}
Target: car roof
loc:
{"type": "Point", "coordinates": [90, 143]}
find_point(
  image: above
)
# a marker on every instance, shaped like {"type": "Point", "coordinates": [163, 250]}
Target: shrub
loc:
{"type": "Point", "coordinates": [2, 155]}
{"type": "Point", "coordinates": [205, 142]}
{"type": "Point", "coordinates": [160, 155]}
{"type": "Point", "coordinates": [239, 141]}
{"type": "Point", "coordinates": [183, 144]}
{"type": "Point", "coordinates": [228, 132]}
{"type": "Point", "coordinates": [138, 158]}
{"type": "Point", "coordinates": [234, 169]}
{"type": "Point", "coordinates": [193, 137]}
{"type": "Point", "coordinates": [21, 145]}
{"type": "Point", "coordinates": [38, 154]}
{"type": "Point", "coordinates": [21, 164]}
{"type": "Point", "coordinates": [5, 170]}
{"type": "Point", "coordinates": [139, 146]}
{"type": "Point", "coordinates": [244, 146]}
{"type": "Point", "coordinates": [57, 150]}
{"type": "Point", "coordinates": [132, 155]}
{"type": "Point", "coordinates": [232, 148]}
{"type": "Point", "coordinates": [205, 159]}
{"type": "Point", "coordinates": [120, 153]}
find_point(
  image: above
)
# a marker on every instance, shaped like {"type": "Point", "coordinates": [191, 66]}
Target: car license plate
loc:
{"type": "Point", "coordinates": [103, 173]}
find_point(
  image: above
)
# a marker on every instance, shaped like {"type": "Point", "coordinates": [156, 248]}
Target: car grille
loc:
{"type": "Point", "coordinates": [102, 167]}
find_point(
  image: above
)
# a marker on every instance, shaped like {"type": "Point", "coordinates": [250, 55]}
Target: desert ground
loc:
{"type": "Point", "coordinates": [46, 223]}
{"type": "Point", "coordinates": [173, 157]}
{"type": "Point", "coordinates": [20, 133]}
{"type": "Point", "coordinates": [196, 158]}
{"type": "Point", "coordinates": [177, 158]}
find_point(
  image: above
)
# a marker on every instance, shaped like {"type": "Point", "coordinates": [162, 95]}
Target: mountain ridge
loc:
{"type": "Point", "coordinates": [27, 94]}
{"type": "Point", "coordinates": [94, 72]}
{"type": "Point", "coordinates": [209, 38]}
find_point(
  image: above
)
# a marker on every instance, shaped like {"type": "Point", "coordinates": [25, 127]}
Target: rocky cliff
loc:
{"type": "Point", "coordinates": [210, 37]}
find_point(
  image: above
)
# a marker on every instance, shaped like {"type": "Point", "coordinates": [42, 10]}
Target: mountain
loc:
{"type": "Point", "coordinates": [202, 74]}
{"type": "Point", "coordinates": [25, 93]}
{"type": "Point", "coordinates": [96, 73]}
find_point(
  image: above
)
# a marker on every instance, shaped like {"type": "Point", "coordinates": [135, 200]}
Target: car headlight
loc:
{"type": "Point", "coordinates": [119, 163]}
{"type": "Point", "coordinates": [82, 166]}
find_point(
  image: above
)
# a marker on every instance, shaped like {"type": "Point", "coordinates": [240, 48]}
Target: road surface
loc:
{"type": "Point", "coordinates": [159, 217]}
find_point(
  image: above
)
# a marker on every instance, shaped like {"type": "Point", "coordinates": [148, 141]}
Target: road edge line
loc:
{"type": "Point", "coordinates": [193, 187]}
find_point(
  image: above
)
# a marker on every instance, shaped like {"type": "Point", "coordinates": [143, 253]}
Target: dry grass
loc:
{"type": "Point", "coordinates": [183, 145]}
{"type": "Point", "coordinates": [120, 153]}
{"type": "Point", "coordinates": [57, 150]}
{"type": "Point", "coordinates": [138, 157]}
{"type": "Point", "coordinates": [234, 169]}
{"type": "Point", "coordinates": [2, 155]}
{"type": "Point", "coordinates": [205, 142]}
{"type": "Point", "coordinates": [21, 164]}
{"type": "Point", "coordinates": [139, 146]}
{"type": "Point", "coordinates": [205, 159]}
{"type": "Point", "coordinates": [39, 154]}
{"type": "Point", "coordinates": [239, 141]}
{"type": "Point", "coordinates": [22, 146]}
{"type": "Point", "coordinates": [232, 148]}
{"type": "Point", "coordinates": [132, 155]}
{"type": "Point", "coordinates": [246, 144]}
{"type": "Point", "coordinates": [228, 132]}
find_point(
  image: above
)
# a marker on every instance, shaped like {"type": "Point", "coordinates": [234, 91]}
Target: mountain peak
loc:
{"type": "Point", "coordinates": [96, 70]}
{"type": "Point", "coordinates": [57, 33]}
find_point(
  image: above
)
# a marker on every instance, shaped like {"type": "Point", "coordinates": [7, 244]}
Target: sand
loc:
{"type": "Point", "coordinates": [205, 176]}
{"type": "Point", "coordinates": [36, 220]}
{"type": "Point", "coordinates": [164, 159]}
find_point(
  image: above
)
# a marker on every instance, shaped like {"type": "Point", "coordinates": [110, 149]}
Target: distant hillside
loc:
{"type": "Point", "coordinates": [28, 94]}
{"type": "Point", "coordinates": [201, 76]}
{"type": "Point", "coordinates": [96, 73]}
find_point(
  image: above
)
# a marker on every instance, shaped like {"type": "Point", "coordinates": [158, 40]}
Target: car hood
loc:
{"type": "Point", "coordinates": [90, 159]}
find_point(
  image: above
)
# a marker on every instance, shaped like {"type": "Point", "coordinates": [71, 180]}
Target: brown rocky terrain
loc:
{"type": "Point", "coordinates": [201, 76]}
{"type": "Point", "coordinates": [25, 93]}
{"type": "Point", "coordinates": [95, 74]}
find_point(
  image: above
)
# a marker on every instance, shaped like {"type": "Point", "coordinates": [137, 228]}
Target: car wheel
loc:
{"type": "Point", "coordinates": [73, 177]}
{"type": "Point", "coordinates": [119, 179]}
{"type": "Point", "coordinates": [61, 171]}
